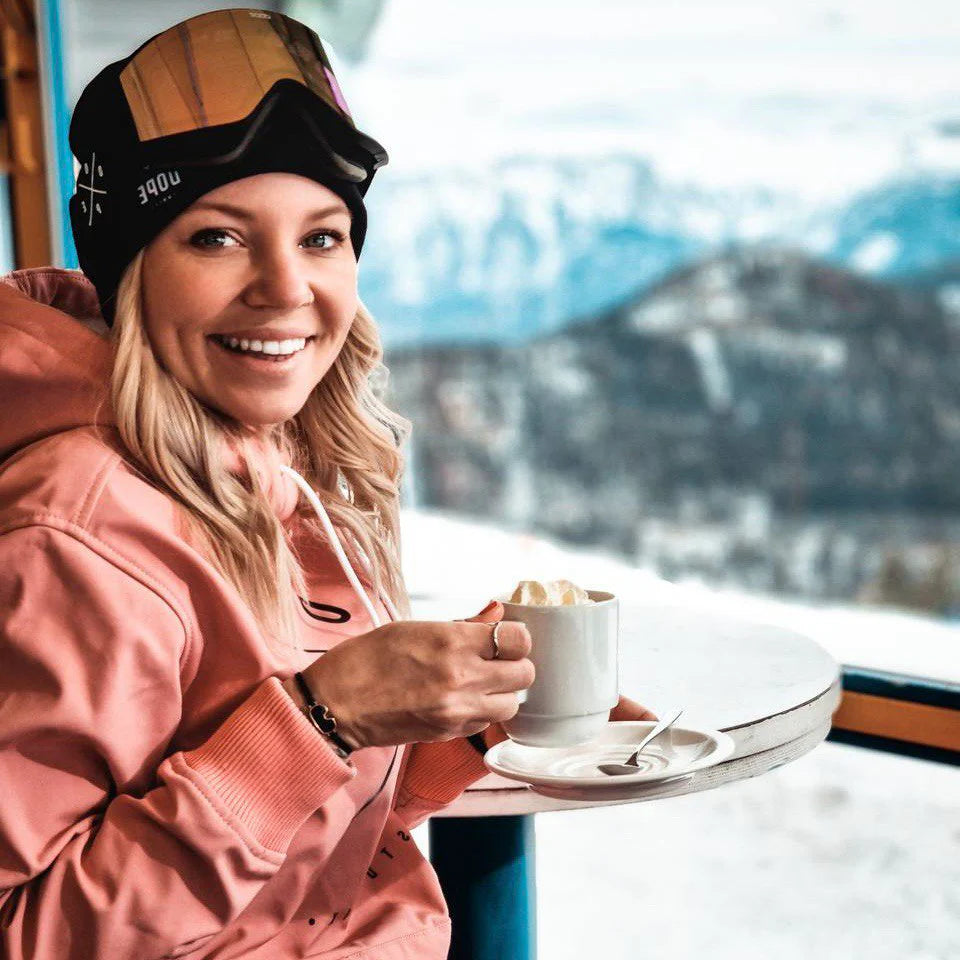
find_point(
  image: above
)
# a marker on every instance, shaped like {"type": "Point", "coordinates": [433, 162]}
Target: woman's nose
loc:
{"type": "Point", "coordinates": [280, 282]}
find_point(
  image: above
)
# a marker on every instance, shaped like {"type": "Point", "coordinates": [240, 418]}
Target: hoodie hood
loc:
{"type": "Point", "coordinates": [54, 366]}
{"type": "Point", "coordinates": [55, 363]}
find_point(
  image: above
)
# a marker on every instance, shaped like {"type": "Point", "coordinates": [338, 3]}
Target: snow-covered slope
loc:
{"type": "Point", "coordinates": [467, 563]}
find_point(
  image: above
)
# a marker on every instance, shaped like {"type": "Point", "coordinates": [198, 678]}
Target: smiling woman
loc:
{"type": "Point", "coordinates": [182, 775]}
{"type": "Point", "coordinates": [268, 282]}
{"type": "Point", "coordinates": [267, 259]}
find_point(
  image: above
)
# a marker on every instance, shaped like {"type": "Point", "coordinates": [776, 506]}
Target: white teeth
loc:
{"type": "Point", "coordinates": [269, 347]}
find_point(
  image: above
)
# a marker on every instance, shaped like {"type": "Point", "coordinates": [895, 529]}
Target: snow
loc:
{"type": "Point", "coordinates": [468, 562]}
{"type": "Point", "coordinates": [876, 252]}
{"type": "Point", "coordinates": [843, 853]}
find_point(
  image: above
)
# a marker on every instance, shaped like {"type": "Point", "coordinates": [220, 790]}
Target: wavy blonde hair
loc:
{"type": "Point", "coordinates": [345, 442]}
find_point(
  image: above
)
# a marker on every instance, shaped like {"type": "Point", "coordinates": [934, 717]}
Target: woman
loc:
{"type": "Point", "coordinates": [216, 731]}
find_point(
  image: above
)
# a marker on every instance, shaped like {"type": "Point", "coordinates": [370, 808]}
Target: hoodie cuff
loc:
{"type": "Point", "coordinates": [494, 734]}
{"type": "Point", "coordinates": [269, 766]}
{"type": "Point", "coordinates": [439, 772]}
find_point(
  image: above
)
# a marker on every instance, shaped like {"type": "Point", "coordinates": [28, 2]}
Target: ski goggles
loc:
{"type": "Point", "coordinates": [200, 91]}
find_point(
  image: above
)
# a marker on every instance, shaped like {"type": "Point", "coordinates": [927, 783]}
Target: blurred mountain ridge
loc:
{"type": "Point", "coordinates": [535, 244]}
{"type": "Point", "coordinates": [761, 416]}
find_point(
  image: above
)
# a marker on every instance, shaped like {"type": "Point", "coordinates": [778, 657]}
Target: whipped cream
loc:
{"type": "Point", "coordinates": [550, 593]}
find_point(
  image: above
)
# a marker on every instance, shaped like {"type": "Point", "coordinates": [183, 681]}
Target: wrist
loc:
{"type": "Point", "coordinates": [293, 691]}
{"type": "Point", "coordinates": [494, 734]}
{"type": "Point", "coordinates": [312, 703]}
{"type": "Point", "coordinates": [487, 738]}
{"type": "Point", "coordinates": [321, 678]}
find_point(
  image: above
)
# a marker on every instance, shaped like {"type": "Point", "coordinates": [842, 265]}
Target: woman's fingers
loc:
{"type": "Point", "coordinates": [509, 676]}
{"type": "Point", "coordinates": [498, 707]}
{"type": "Point", "coordinates": [628, 709]}
{"type": "Point", "coordinates": [513, 640]}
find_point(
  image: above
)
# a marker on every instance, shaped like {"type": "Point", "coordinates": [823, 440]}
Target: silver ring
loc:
{"type": "Point", "coordinates": [496, 643]}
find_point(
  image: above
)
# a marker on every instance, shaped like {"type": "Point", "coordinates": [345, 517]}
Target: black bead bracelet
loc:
{"type": "Point", "coordinates": [320, 716]}
{"type": "Point", "coordinates": [478, 743]}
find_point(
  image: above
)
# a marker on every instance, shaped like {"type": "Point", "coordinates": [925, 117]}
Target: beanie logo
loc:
{"type": "Point", "coordinates": [155, 186]}
{"type": "Point", "coordinates": [91, 204]}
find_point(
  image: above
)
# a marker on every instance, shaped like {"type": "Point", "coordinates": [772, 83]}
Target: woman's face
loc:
{"type": "Point", "coordinates": [249, 294]}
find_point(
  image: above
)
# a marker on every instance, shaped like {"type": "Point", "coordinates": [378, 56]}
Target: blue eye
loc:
{"type": "Point", "coordinates": [211, 239]}
{"type": "Point", "coordinates": [327, 235]}
{"type": "Point", "coordinates": [217, 238]}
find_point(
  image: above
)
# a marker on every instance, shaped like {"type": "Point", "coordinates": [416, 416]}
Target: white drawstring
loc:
{"type": "Point", "coordinates": [318, 508]}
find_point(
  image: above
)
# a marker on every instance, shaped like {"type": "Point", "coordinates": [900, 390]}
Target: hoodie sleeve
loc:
{"type": "Point", "coordinates": [435, 774]}
{"type": "Point", "coordinates": [89, 698]}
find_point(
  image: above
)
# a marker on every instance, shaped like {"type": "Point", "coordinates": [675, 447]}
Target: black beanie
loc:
{"type": "Point", "coordinates": [122, 202]}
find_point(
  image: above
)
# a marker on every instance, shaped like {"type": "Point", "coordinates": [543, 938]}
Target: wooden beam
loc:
{"type": "Point", "coordinates": [25, 159]}
{"type": "Point", "coordinates": [921, 723]}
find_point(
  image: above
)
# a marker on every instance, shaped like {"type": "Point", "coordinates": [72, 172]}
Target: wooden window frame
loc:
{"type": "Point", "coordinates": [24, 156]}
{"type": "Point", "coordinates": [895, 713]}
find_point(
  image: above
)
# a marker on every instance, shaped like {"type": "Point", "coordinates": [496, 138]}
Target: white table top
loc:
{"type": "Point", "coordinates": [774, 691]}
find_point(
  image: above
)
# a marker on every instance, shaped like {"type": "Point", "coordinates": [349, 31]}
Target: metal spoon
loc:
{"type": "Point", "coordinates": [631, 766]}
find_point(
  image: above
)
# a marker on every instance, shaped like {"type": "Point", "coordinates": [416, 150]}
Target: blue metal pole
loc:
{"type": "Point", "coordinates": [57, 116]}
{"type": "Point", "coordinates": [487, 869]}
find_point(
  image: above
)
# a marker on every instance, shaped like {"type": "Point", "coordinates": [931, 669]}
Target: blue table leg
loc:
{"type": "Point", "coordinates": [487, 868]}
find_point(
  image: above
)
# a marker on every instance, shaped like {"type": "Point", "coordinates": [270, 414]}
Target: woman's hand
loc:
{"type": "Point", "coordinates": [419, 681]}
{"type": "Point", "coordinates": [628, 709]}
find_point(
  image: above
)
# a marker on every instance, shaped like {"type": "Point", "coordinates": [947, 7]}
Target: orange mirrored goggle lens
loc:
{"type": "Point", "coordinates": [216, 68]}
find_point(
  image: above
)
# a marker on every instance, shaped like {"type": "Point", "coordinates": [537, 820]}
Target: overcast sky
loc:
{"type": "Point", "coordinates": [817, 98]}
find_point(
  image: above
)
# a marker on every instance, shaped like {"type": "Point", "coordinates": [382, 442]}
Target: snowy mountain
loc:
{"type": "Point", "coordinates": [535, 244]}
{"type": "Point", "coordinates": [902, 229]}
{"type": "Point", "coordinates": [722, 422]}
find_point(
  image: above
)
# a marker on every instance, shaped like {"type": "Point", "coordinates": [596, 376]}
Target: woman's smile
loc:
{"type": "Point", "coordinates": [267, 293]}
{"type": "Point", "coordinates": [261, 354]}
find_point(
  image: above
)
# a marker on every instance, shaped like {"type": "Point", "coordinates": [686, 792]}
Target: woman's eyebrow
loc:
{"type": "Point", "coordinates": [241, 214]}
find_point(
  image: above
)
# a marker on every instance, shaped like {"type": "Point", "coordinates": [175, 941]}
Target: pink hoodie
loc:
{"type": "Point", "coordinates": [162, 795]}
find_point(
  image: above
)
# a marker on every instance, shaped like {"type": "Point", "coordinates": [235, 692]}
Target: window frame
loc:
{"type": "Point", "coordinates": [897, 713]}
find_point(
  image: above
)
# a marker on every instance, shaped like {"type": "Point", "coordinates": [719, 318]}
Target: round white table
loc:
{"type": "Point", "coordinates": [773, 691]}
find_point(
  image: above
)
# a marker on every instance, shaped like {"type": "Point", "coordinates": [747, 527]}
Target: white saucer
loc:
{"type": "Point", "coordinates": [570, 773]}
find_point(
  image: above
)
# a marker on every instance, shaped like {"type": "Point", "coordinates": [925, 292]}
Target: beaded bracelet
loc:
{"type": "Point", "coordinates": [319, 715]}
{"type": "Point", "coordinates": [478, 743]}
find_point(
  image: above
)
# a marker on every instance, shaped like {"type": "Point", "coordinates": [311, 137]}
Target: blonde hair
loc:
{"type": "Point", "coordinates": [345, 442]}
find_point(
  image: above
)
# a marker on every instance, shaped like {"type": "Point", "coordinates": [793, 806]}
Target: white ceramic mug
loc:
{"type": "Point", "coordinates": [575, 651]}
